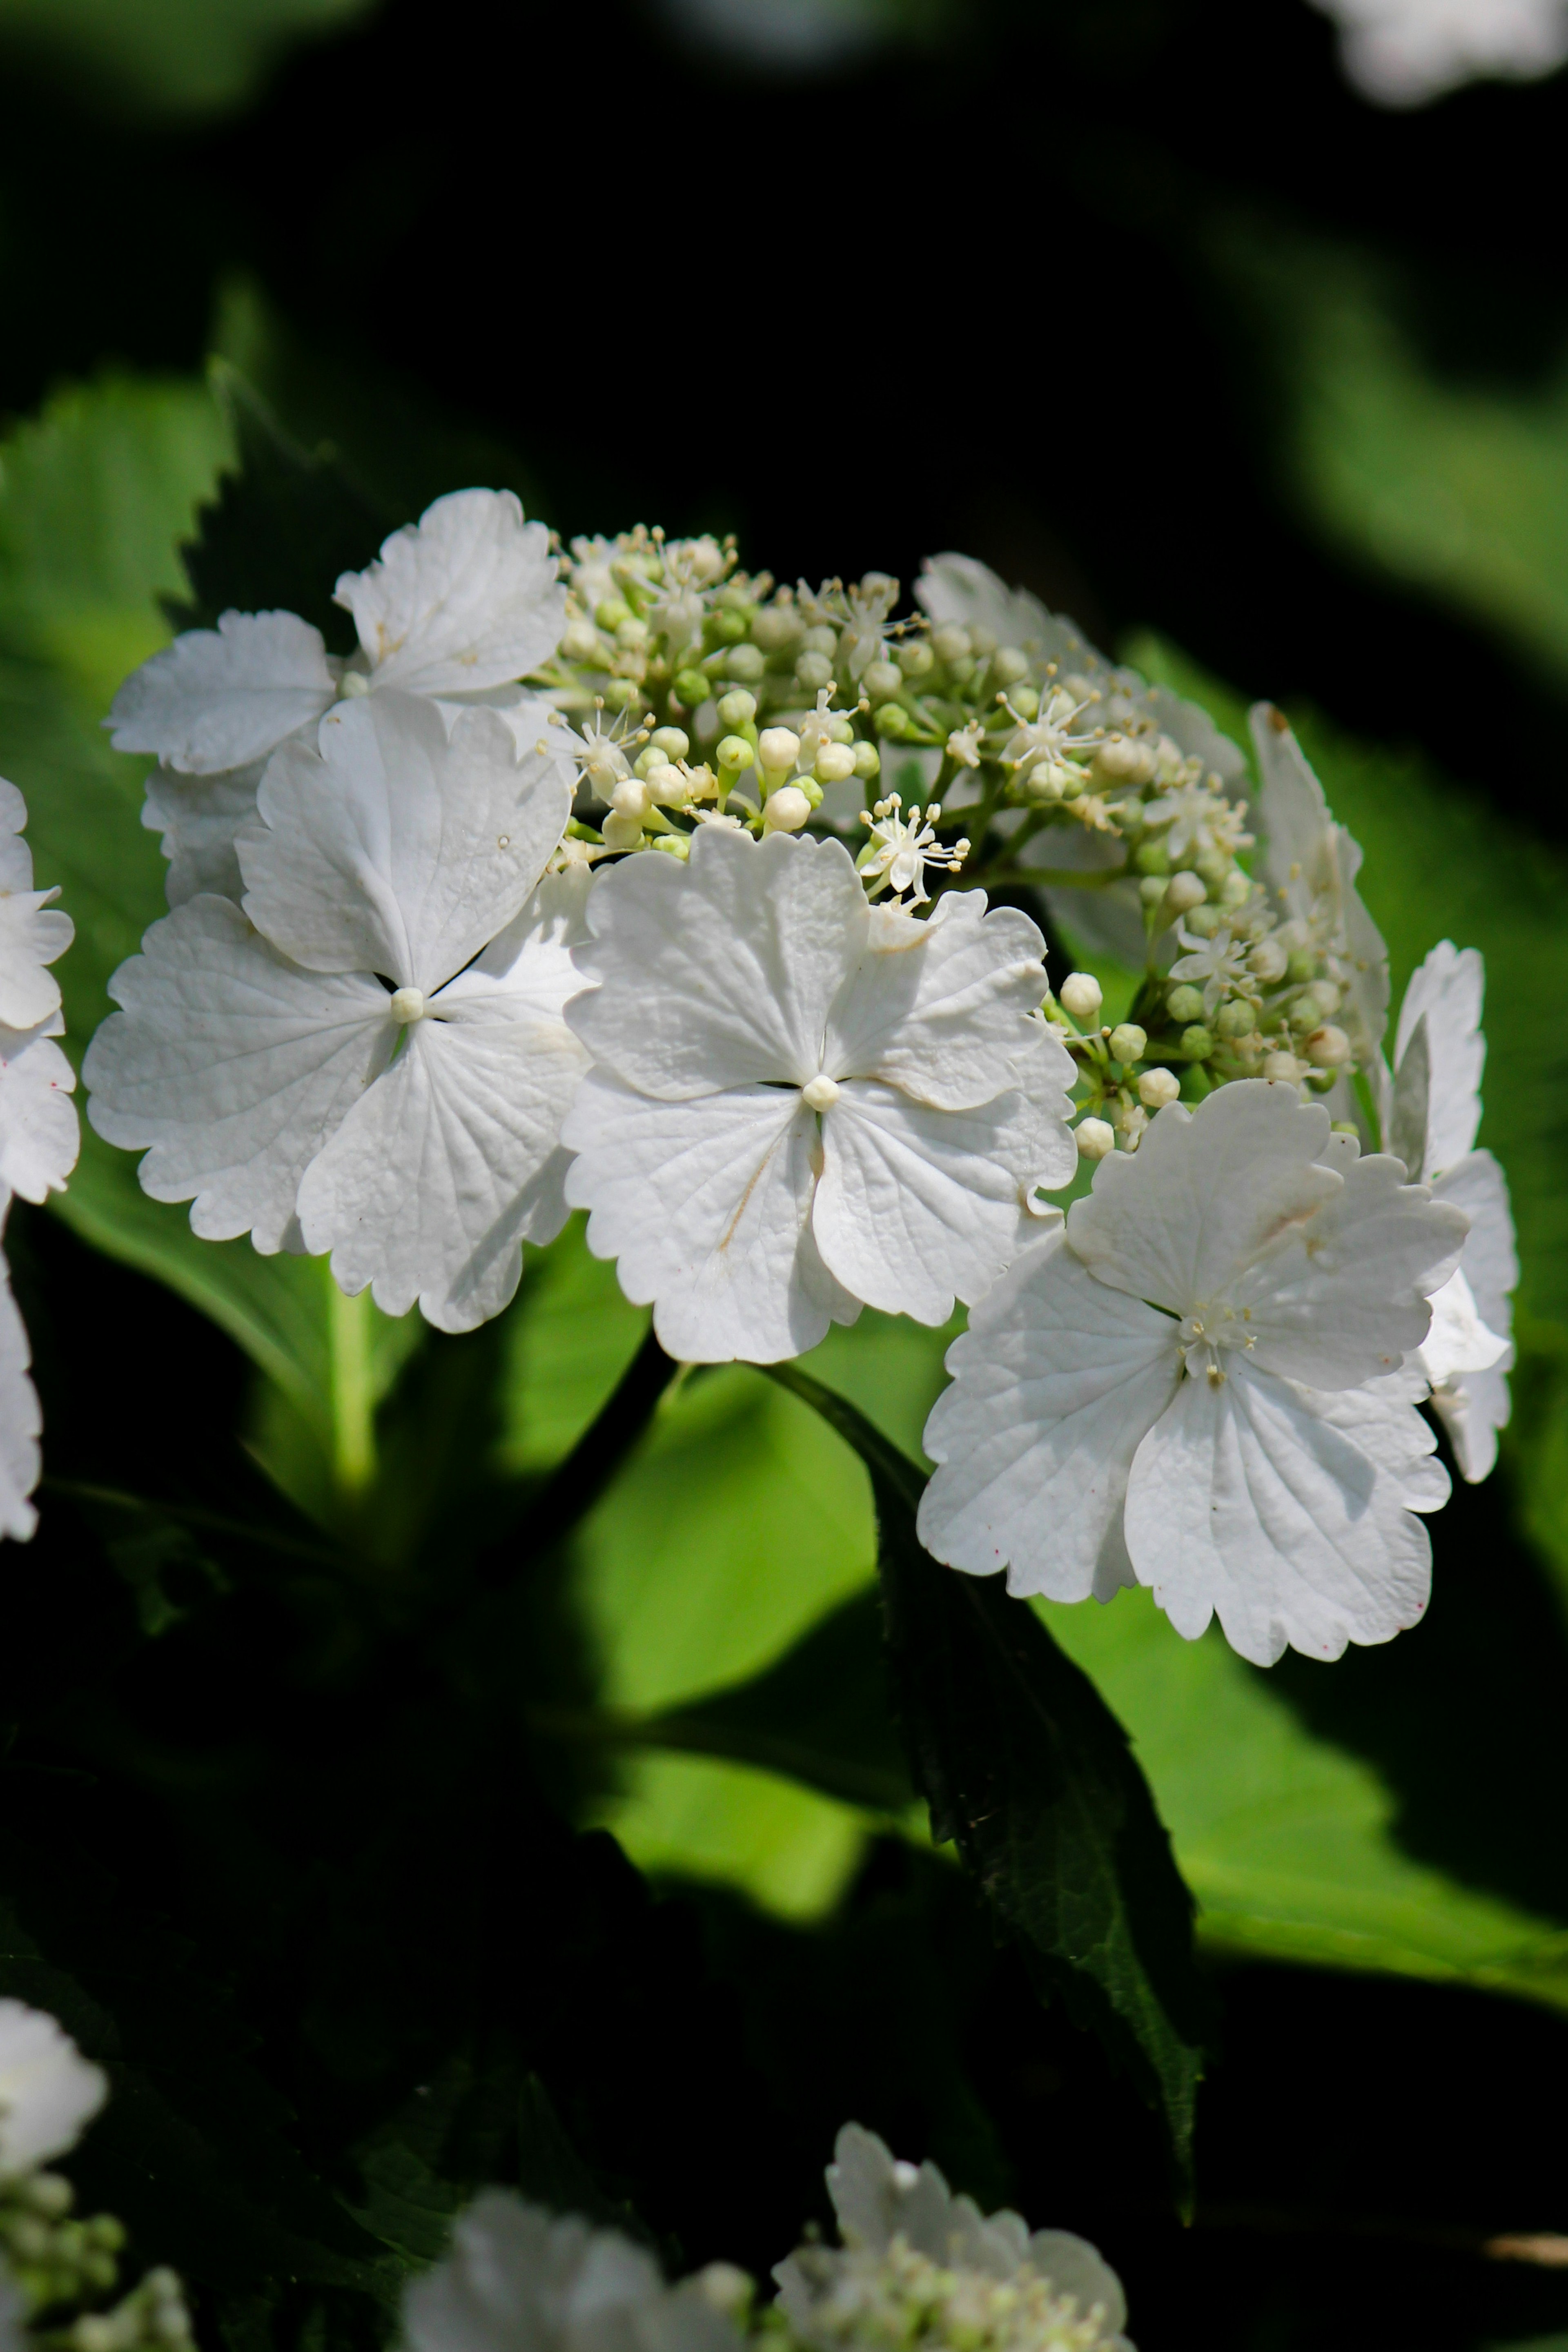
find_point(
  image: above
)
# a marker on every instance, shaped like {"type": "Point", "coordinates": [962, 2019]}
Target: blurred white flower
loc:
{"type": "Point", "coordinates": [1436, 1107]}
{"type": "Point", "coordinates": [33, 934]}
{"type": "Point", "coordinates": [1404, 52]}
{"type": "Point", "coordinates": [1198, 1385]}
{"type": "Point", "coordinates": [48, 2092]}
{"type": "Point", "coordinates": [921, 2265]}
{"type": "Point", "coordinates": [802, 1104]}
{"type": "Point", "coordinates": [459, 606]}
{"type": "Point", "coordinates": [519, 2279]}
{"type": "Point", "coordinates": [370, 1058]}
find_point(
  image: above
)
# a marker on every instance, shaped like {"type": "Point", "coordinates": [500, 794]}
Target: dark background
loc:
{"type": "Point", "coordinates": [971, 290]}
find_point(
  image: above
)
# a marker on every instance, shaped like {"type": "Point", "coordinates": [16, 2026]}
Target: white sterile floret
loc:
{"type": "Point", "coordinates": [48, 2091]}
{"type": "Point", "coordinates": [919, 2265]}
{"type": "Point", "coordinates": [464, 602]}
{"type": "Point", "coordinates": [1311, 865]}
{"type": "Point", "coordinates": [369, 1059]}
{"type": "Point", "coordinates": [1198, 1383]}
{"type": "Point", "coordinates": [33, 934]}
{"type": "Point", "coordinates": [730, 985]}
{"type": "Point", "coordinates": [519, 2279]}
{"type": "Point", "coordinates": [1439, 1053]}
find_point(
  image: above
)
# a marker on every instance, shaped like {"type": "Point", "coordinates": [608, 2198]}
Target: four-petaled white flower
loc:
{"type": "Point", "coordinates": [1217, 964]}
{"type": "Point", "coordinates": [48, 2091]}
{"type": "Point", "coordinates": [921, 2265]}
{"type": "Point", "coordinates": [519, 2279]}
{"type": "Point", "coordinates": [369, 1059]}
{"type": "Point", "coordinates": [1436, 1107]}
{"type": "Point", "coordinates": [461, 604]}
{"type": "Point", "coordinates": [802, 1104]}
{"type": "Point", "coordinates": [39, 1133]}
{"type": "Point", "coordinates": [1197, 1383]}
{"type": "Point", "coordinates": [1310, 863]}
{"type": "Point", "coordinates": [900, 848]}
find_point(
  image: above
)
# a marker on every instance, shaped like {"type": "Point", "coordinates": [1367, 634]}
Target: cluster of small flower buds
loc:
{"type": "Point", "coordinates": [895, 2298]}
{"type": "Point", "coordinates": [57, 2261]}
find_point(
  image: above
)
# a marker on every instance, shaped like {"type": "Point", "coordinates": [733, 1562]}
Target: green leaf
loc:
{"type": "Point", "coordinates": [167, 58]}
{"type": "Point", "coordinates": [1026, 1770]}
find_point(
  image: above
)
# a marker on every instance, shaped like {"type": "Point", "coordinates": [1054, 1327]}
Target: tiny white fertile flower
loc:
{"type": "Point", "coordinates": [1436, 1106]}
{"type": "Point", "coordinates": [519, 2279]}
{"type": "Point", "coordinates": [1217, 964]}
{"type": "Point", "coordinates": [736, 994]}
{"type": "Point", "coordinates": [460, 604]}
{"type": "Point", "coordinates": [1198, 1384]}
{"type": "Point", "coordinates": [48, 2091]}
{"type": "Point", "coordinates": [1200, 819]}
{"type": "Point", "coordinates": [1312, 865]}
{"type": "Point", "coordinates": [920, 2265]}
{"type": "Point", "coordinates": [900, 848]}
{"type": "Point", "coordinates": [371, 1058]}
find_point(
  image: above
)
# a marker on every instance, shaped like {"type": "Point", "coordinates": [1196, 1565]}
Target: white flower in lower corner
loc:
{"type": "Point", "coordinates": [1439, 1053]}
{"type": "Point", "coordinates": [369, 1059]}
{"type": "Point", "coordinates": [1198, 1385]}
{"type": "Point", "coordinates": [459, 606]}
{"type": "Point", "coordinates": [519, 2279]}
{"type": "Point", "coordinates": [48, 2091]}
{"type": "Point", "coordinates": [920, 2264]}
{"type": "Point", "coordinates": [802, 1104]}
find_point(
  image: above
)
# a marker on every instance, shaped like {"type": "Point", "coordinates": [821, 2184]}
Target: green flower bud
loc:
{"type": "Point", "coordinates": [868, 761]}
{"type": "Point", "coordinates": [1152, 858]}
{"type": "Point", "coordinates": [882, 680]}
{"type": "Point", "coordinates": [744, 664]}
{"type": "Point", "coordinates": [1151, 889]}
{"type": "Point", "coordinates": [674, 845]}
{"type": "Point", "coordinates": [673, 741]}
{"type": "Point", "coordinates": [951, 643]}
{"type": "Point", "coordinates": [1235, 889]}
{"type": "Point", "coordinates": [689, 686]}
{"type": "Point", "coordinates": [1025, 701]}
{"type": "Point", "coordinates": [1186, 892]}
{"type": "Point", "coordinates": [1205, 921]}
{"type": "Point", "coordinates": [814, 670]}
{"type": "Point", "coordinates": [650, 756]}
{"type": "Point", "coordinates": [621, 693]}
{"type": "Point", "coordinates": [1236, 1018]}
{"type": "Point", "coordinates": [1008, 665]}
{"type": "Point", "coordinates": [726, 626]}
{"type": "Point", "coordinates": [1301, 968]}
{"type": "Point", "coordinates": [735, 753]}
{"type": "Point", "coordinates": [1185, 1002]}
{"type": "Point", "coordinates": [916, 657]}
{"type": "Point", "coordinates": [777, 627]}
{"type": "Point", "coordinates": [1196, 1043]}
{"type": "Point", "coordinates": [612, 613]}
{"type": "Point", "coordinates": [736, 708]}
{"type": "Point", "coordinates": [1128, 1042]}
{"type": "Point", "coordinates": [894, 721]}
{"type": "Point", "coordinates": [1213, 869]}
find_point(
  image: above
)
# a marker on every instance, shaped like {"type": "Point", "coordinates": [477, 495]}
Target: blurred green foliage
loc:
{"type": "Point", "coordinates": [166, 58]}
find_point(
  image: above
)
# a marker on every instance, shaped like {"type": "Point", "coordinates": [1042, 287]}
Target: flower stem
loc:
{"type": "Point", "coordinates": [349, 1322]}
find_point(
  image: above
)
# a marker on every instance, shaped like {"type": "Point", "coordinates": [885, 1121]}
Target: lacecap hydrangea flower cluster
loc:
{"type": "Point", "coordinates": [622, 880]}
{"type": "Point", "coordinates": [918, 2270]}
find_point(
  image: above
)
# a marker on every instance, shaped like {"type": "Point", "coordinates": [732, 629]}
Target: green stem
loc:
{"type": "Point", "coordinates": [349, 1327]}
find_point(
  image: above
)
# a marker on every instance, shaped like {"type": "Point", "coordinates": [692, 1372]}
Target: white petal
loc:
{"type": "Point", "coordinates": [221, 697]}
{"type": "Point", "coordinates": [720, 973]}
{"type": "Point", "coordinates": [20, 1422]}
{"type": "Point", "coordinates": [1340, 1300]}
{"type": "Point", "coordinates": [199, 818]}
{"type": "Point", "coordinates": [32, 934]}
{"type": "Point", "coordinates": [394, 849]}
{"type": "Point", "coordinates": [446, 1166]}
{"type": "Point", "coordinates": [1472, 1410]}
{"type": "Point", "coordinates": [1074, 2267]}
{"type": "Point", "coordinates": [1459, 1340]}
{"type": "Point", "coordinates": [1206, 1191]}
{"type": "Point", "coordinates": [527, 972]}
{"type": "Point", "coordinates": [1447, 990]}
{"type": "Point", "coordinates": [465, 599]}
{"type": "Point", "coordinates": [233, 1064]}
{"type": "Point", "coordinates": [1478, 1186]}
{"type": "Point", "coordinates": [1285, 1513]}
{"type": "Point", "coordinates": [48, 2090]}
{"type": "Point", "coordinates": [915, 1205]}
{"type": "Point", "coordinates": [707, 1206]}
{"type": "Point", "coordinates": [16, 858]}
{"type": "Point", "coordinates": [1055, 1383]}
{"type": "Point", "coordinates": [944, 1009]}
{"type": "Point", "coordinates": [38, 1135]}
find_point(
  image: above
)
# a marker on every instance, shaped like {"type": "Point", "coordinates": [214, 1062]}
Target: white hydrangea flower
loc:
{"type": "Point", "coordinates": [461, 604]}
{"type": "Point", "coordinates": [1440, 1053]}
{"type": "Point", "coordinates": [1311, 865]}
{"type": "Point", "coordinates": [1404, 52]}
{"type": "Point", "coordinates": [921, 2265]}
{"type": "Point", "coordinates": [519, 2279]}
{"type": "Point", "coordinates": [802, 1104]}
{"type": "Point", "coordinates": [33, 933]}
{"type": "Point", "coordinates": [370, 1060]}
{"type": "Point", "coordinates": [1199, 1385]}
{"type": "Point", "coordinates": [48, 2091]}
